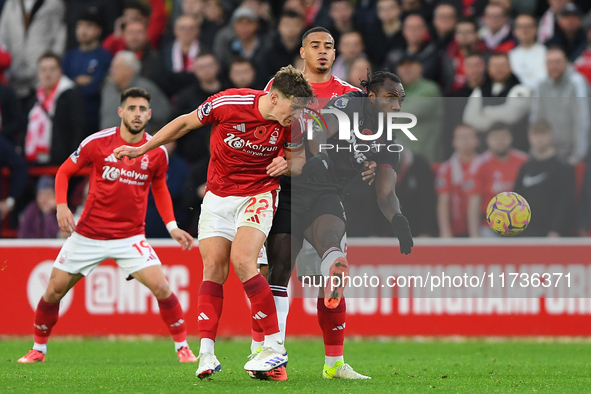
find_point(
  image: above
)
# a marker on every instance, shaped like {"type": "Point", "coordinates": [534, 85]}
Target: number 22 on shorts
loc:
{"type": "Point", "coordinates": [256, 208]}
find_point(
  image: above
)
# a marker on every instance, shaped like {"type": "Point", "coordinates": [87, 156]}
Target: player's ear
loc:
{"type": "Point", "coordinates": [149, 113]}
{"type": "Point", "coordinates": [274, 97]}
{"type": "Point", "coordinates": [120, 111]}
{"type": "Point", "coordinates": [302, 51]}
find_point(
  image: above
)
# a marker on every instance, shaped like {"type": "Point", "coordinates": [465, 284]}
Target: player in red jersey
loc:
{"type": "Point", "coordinates": [249, 129]}
{"type": "Point", "coordinates": [112, 223]}
{"type": "Point", "coordinates": [318, 52]}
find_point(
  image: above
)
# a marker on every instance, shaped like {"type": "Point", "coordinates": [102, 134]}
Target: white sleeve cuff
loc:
{"type": "Point", "coordinates": [171, 226]}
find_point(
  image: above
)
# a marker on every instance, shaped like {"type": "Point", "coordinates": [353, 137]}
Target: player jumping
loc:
{"type": "Point", "coordinates": [317, 207]}
{"type": "Point", "coordinates": [249, 128]}
{"type": "Point", "coordinates": [318, 52]}
{"type": "Point", "coordinates": [112, 223]}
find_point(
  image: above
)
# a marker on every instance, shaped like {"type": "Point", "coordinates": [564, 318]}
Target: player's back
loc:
{"type": "Point", "coordinates": [118, 191]}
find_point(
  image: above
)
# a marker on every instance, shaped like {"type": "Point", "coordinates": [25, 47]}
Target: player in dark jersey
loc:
{"type": "Point", "coordinates": [318, 52]}
{"type": "Point", "coordinates": [317, 209]}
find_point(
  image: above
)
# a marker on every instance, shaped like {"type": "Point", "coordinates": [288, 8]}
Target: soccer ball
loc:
{"type": "Point", "coordinates": [508, 213]}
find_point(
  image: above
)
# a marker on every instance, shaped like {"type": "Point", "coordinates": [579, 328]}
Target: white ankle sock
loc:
{"type": "Point", "coordinates": [254, 345]}
{"type": "Point", "coordinates": [282, 306]}
{"type": "Point", "coordinates": [206, 346]}
{"type": "Point", "coordinates": [179, 345]}
{"type": "Point", "coordinates": [275, 342]}
{"type": "Point", "coordinates": [331, 361]}
{"type": "Point", "coordinates": [40, 347]}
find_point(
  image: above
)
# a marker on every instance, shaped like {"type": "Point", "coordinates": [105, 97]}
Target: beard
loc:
{"type": "Point", "coordinates": [134, 129]}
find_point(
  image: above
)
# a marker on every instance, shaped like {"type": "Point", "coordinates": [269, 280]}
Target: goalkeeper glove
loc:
{"type": "Point", "coordinates": [402, 232]}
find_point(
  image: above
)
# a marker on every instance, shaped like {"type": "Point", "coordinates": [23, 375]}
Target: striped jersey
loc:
{"type": "Point", "coordinates": [242, 143]}
{"type": "Point", "coordinates": [118, 191]}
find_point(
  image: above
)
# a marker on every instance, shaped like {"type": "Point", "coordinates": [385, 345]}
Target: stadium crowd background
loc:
{"type": "Point", "coordinates": [63, 64]}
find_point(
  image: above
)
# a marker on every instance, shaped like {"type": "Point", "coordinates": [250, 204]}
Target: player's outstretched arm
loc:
{"type": "Point", "coordinates": [65, 218]}
{"type": "Point", "coordinates": [174, 130]}
{"type": "Point", "coordinates": [390, 206]}
{"type": "Point", "coordinates": [166, 211]}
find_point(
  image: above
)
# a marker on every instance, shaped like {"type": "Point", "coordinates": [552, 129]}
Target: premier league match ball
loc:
{"type": "Point", "coordinates": [508, 213]}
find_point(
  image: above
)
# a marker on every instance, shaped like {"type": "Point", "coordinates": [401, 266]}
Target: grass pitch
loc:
{"type": "Point", "coordinates": [470, 366]}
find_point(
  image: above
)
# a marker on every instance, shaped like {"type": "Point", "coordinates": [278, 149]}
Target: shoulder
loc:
{"type": "Point", "coordinates": [347, 101]}
{"type": "Point", "coordinates": [99, 137]}
{"type": "Point", "coordinates": [519, 155]}
{"type": "Point", "coordinates": [231, 97]}
{"type": "Point", "coordinates": [345, 86]}
{"type": "Point", "coordinates": [480, 161]}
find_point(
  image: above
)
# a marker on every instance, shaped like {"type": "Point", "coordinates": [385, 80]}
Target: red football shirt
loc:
{"type": "Point", "coordinates": [243, 143]}
{"type": "Point", "coordinates": [489, 176]}
{"type": "Point", "coordinates": [118, 192]}
{"type": "Point", "coordinates": [325, 91]}
{"type": "Point", "coordinates": [451, 179]}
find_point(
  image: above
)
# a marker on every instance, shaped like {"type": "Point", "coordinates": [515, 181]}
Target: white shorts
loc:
{"type": "Point", "coordinates": [223, 216]}
{"type": "Point", "coordinates": [80, 255]}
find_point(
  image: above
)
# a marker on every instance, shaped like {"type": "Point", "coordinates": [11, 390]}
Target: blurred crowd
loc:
{"type": "Point", "coordinates": [500, 89]}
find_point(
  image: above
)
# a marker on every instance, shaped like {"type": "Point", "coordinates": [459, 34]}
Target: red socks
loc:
{"type": "Point", "coordinates": [262, 305]}
{"type": "Point", "coordinates": [172, 314]}
{"type": "Point", "coordinates": [211, 301]}
{"type": "Point", "coordinates": [46, 316]}
{"type": "Point", "coordinates": [332, 323]}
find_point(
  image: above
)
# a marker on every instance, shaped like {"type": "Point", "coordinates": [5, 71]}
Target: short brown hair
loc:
{"type": "Point", "coordinates": [291, 82]}
{"type": "Point", "coordinates": [541, 125]}
{"type": "Point", "coordinates": [50, 55]}
{"type": "Point", "coordinates": [135, 92]}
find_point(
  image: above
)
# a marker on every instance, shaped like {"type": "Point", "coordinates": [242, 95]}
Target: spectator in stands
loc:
{"type": "Point", "coordinates": [27, 30]}
{"type": "Point", "coordinates": [415, 188]}
{"type": "Point", "coordinates": [242, 40]}
{"type": "Point", "coordinates": [56, 119]}
{"type": "Point", "coordinates": [444, 22]}
{"type": "Point", "coordinates": [87, 65]}
{"type": "Point", "coordinates": [384, 35]}
{"type": "Point", "coordinates": [492, 172]}
{"type": "Point", "coordinates": [423, 99]}
{"type": "Point", "coordinates": [465, 41]}
{"type": "Point", "coordinates": [562, 100]}
{"type": "Point", "coordinates": [548, 185]}
{"type": "Point", "coordinates": [39, 217]}
{"type": "Point", "coordinates": [242, 74]}
{"type": "Point", "coordinates": [450, 184]}
{"type": "Point", "coordinates": [496, 31]}
{"type": "Point", "coordinates": [500, 98]}
{"type": "Point", "coordinates": [178, 56]}
{"type": "Point", "coordinates": [350, 47]}
{"type": "Point", "coordinates": [18, 177]}
{"type": "Point", "coordinates": [469, 9]}
{"type": "Point", "coordinates": [124, 73]}
{"type": "Point", "coordinates": [107, 10]}
{"type": "Point", "coordinates": [152, 15]}
{"type": "Point", "coordinates": [283, 47]}
{"type": "Point", "coordinates": [195, 146]}
{"type": "Point", "coordinates": [583, 63]}
{"type": "Point", "coordinates": [529, 57]}
{"type": "Point", "coordinates": [176, 180]}
{"type": "Point", "coordinates": [548, 21]}
{"type": "Point", "coordinates": [135, 37]}
{"type": "Point", "coordinates": [5, 60]}
{"type": "Point", "coordinates": [341, 18]}
{"type": "Point", "coordinates": [418, 43]}
{"type": "Point", "coordinates": [475, 74]}
{"type": "Point", "coordinates": [569, 34]}
{"type": "Point", "coordinates": [359, 71]}
{"type": "Point", "coordinates": [213, 20]}
{"type": "Point", "coordinates": [11, 119]}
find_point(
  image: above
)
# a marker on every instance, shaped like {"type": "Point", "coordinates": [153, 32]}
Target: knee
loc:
{"type": "Point", "coordinates": [161, 290]}
{"type": "Point", "coordinates": [244, 265]}
{"type": "Point", "coordinates": [55, 292]}
{"type": "Point", "coordinates": [215, 271]}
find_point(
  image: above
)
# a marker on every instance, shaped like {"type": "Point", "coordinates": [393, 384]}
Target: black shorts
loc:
{"type": "Point", "coordinates": [306, 209]}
